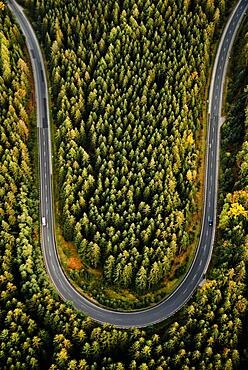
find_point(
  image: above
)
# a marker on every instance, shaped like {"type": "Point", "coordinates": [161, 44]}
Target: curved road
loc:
{"type": "Point", "coordinates": [202, 258]}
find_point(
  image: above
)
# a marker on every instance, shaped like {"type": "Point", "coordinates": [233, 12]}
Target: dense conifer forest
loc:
{"type": "Point", "coordinates": [128, 79]}
{"type": "Point", "coordinates": [37, 329]}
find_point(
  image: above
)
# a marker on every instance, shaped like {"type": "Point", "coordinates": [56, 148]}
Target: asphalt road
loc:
{"type": "Point", "coordinates": [196, 274]}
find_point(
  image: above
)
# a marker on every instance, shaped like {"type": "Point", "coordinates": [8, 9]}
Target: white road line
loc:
{"type": "Point", "coordinates": [194, 277]}
{"type": "Point", "coordinates": [205, 247]}
{"type": "Point", "coordinates": [207, 232]}
{"type": "Point", "coordinates": [200, 263]}
{"type": "Point", "coordinates": [185, 290]}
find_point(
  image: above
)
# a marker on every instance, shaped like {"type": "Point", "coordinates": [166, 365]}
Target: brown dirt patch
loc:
{"type": "Point", "coordinates": [74, 263]}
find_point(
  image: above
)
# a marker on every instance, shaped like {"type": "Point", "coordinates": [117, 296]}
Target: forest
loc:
{"type": "Point", "coordinates": [128, 79]}
{"type": "Point", "coordinates": [37, 329]}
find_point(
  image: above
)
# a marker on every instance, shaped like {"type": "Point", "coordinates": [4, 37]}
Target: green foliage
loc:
{"type": "Point", "coordinates": [37, 330]}
{"type": "Point", "coordinates": [128, 80]}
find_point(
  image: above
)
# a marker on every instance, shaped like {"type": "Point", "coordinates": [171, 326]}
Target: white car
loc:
{"type": "Point", "coordinates": [43, 220]}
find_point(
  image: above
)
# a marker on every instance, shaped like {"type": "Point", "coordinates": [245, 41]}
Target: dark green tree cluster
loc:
{"type": "Point", "coordinates": [128, 79]}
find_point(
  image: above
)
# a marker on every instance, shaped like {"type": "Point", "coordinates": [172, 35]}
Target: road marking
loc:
{"type": "Point", "coordinates": [45, 173]}
{"type": "Point", "coordinates": [200, 263]}
{"type": "Point", "coordinates": [205, 247]}
{"type": "Point", "coordinates": [44, 153]}
{"type": "Point", "coordinates": [185, 290]}
{"type": "Point", "coordinates": [207, 232]}
{"type": "Point", "coordinates": [194, 277]}
{"type": "Point", "coordinates": [46, 199]}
